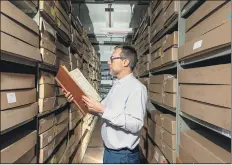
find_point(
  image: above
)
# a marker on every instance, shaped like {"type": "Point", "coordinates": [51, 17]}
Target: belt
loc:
{"type": "Point", "coordinates": [124, 149]}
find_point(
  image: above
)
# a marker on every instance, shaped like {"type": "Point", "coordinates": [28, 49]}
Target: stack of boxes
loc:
{"type": "Point", "coordinates": [47, 99]}
{"type": "Point", "coordinates": [20, 38]}
{"type": "Point", "coordinates": [198, 85]}
{"type": "Point", "coordinates": [162, 89]}
{"type": "Point", "coordinates": [18, 102]}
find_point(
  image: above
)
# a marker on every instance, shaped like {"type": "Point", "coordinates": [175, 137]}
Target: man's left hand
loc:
{"type": "Point", "coordinates": [93, 105]}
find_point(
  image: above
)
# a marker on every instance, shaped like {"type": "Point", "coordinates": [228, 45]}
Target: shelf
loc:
{"type": "Point", "coordinates": [167, 30]}
{"type": "Point", "coordinates": [18, 60]}
{"type": "Point", "coordinates": [212, 127]}
{"type": "Point", "coordinates": [190, 6]}
{"type": "Point", "coordinates": [164, 68]}
{"type": "Point", "coordinates": [48, 67]}
{"type": "Point", "coordinates": [51, 111]}
{"type": "Point", "coordinates": [207, 56]}
{"type": "Point", "coordinates": [28, 7]}
{"type": "Point", "coordinates": [90, 135]}
{"type": "Point", "coordinates": [16, 126]}
{"type": "Point", "coordinates": [143, 74]}
{"type": "Point", "coordinates": [164, 106]}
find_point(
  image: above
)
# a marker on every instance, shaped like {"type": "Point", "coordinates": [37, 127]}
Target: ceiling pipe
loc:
{"type": "Point", "coordinates": [109, 14]}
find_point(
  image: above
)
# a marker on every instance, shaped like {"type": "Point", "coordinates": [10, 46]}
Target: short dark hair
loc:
{"type": "Point", "coordinates": [130, 53]}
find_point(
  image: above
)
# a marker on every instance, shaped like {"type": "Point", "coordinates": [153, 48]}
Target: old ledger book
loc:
{"type": "Point", "coordinates": [75, 83]}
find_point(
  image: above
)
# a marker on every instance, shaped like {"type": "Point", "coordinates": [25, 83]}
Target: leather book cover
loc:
{"type": "Point", "coordinates": [75, 83]}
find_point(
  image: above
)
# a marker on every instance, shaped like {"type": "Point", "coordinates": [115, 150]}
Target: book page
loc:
{"type": "Point", "coordinates": [83, 83]}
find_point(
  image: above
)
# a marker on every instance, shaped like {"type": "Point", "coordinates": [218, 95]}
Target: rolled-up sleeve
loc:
{"type": "Point", "coordinates": [132, 116]}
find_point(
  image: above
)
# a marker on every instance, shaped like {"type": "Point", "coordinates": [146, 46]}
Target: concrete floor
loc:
{"type": "Point", "coordinates": [95, 150]}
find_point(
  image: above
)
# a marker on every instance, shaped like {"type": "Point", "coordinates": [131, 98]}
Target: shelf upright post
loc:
{"type": "Point", "coordinates": [181, 40]}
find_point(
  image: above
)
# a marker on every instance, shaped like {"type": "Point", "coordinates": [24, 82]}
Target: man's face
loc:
{"type": "Point", "coordinates": [116, 62]}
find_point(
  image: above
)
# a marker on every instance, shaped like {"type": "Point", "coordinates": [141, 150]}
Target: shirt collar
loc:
{"type": "Point", "coordinates": [124, 79]}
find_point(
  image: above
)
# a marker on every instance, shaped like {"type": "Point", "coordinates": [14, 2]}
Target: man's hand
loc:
{"type": "Point", "coordinates": [68, 95]}
{"type": "Point", "coordinates": [93, 105]}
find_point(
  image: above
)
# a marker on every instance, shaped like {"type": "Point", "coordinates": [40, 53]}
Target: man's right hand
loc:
{"type": "Point", "coordinates": [68, 95]}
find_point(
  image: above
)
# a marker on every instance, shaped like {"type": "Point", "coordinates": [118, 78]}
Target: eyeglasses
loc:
{"type": "Point", "coordinates": [114, 58]}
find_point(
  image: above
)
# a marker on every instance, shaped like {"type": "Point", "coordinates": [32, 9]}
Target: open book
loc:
{"type": "Point", "coordinates": [75, 83]}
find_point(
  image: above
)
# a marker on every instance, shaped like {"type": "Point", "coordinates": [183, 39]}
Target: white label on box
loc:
{"type": "Point", "coordinates": [11, 97]}
{"type": "Point", "coordinates": [156, 156]}
{"type": "Point", "coordinates": [197, 44]}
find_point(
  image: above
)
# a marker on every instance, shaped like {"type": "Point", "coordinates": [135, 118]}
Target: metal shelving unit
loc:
{"type": "Point", "coordinates": [47, 67]}
{"type": "Point", "coordinates": [173, 110]}
{"type": "Point", "coordinates": [165, 68]}
{"type": "Point", "coordinates": [185, 121]}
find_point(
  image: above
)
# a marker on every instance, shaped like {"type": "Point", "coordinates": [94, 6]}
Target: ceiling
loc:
{"type": "Point", "coordinates": [107, 29]}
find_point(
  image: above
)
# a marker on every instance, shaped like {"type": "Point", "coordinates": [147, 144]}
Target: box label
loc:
{"type": "Point", "coordinates": [11, 98]}
{"type": "Point", "coordinates": [197, 44]}
{"type": "Point", "coordinates": [156, 156]}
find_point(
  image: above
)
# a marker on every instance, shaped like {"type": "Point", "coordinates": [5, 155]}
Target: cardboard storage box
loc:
{"type": "Point", "coordinates": [150, 152]}
{"type": "Point", "coordinates": [159, 79]}
{"type": "Point", "coordinates": [158, 141]}
{"type": "Point", "coordinates": [48, 57]}
{"type": "Point", "coordinates": [46, 137]}
{"type": "Point", "coordinates": [47, 43]}
{"type": "Point", "coordinates": [169, 99]}
{"type": "Point", "coordinates": [171, 12]}
{"type": "Point", "coordinates": [202, 149]}
{"type": "Point", "coordinates": [155, 64]}
{"type": "Point", "coordinates": [169, 153]}
{"type": "Point", "coordinates": [157, 88]}
{"type": "Point", "coordinates": [23, 81]}
{"type": "Point", "coordinates": [19, 16]}
{"type": "Point", "coordinates": [45, 152]}
{"type": "Point", "coordinates": [204, 11]}
{"type": "Point", "coordinates": [65, 158]}
{"type": "Point", "coordinates": [46, 78]}
{"type": "Point", "coordinates": [170, 55]}
{"type": "Point", "coordinates": [185, 157]}
{"type": "Point", "coordinates": [61, 136]}
{"type": "Point", "coordinates": [34, 160]}
{"type": "Point", "coordinates": [169, 139]}
{"type": "Point", "coordinates": [157, 130]}
{"type": "Point", "coordinates": [62, 13]}
{"type": "Point", "coordinates": [20, 48]}
{"type": "Point", "coordinates": [11, 99]}
{"type": "Point", "coordinates": [61, 126]}
{"type": "Point", "coordinates": [72, 139]}
{"type": "Point", "coordinates": [46, 123]}
{"type": "Point", "coordinates": [169, 123]}
{"type": "Point", "coordinates": [159, 156]}
{"type": "Point", "coordinates": [59, 91]}
{"type": "Point", "coordinates": [62, 116]}
{"type": "Point", "coordinates": [47, 8]}
{"type": "Point", "coordinates": [156, 97]}
{"type": "Point", "coordinates": [72, 115]}
{"type": "Point", "coordinates": [47, 90]}
{"type": "Point", "coordinates": [18, 31]}
{"type": "Point", "coordinates": [61, 100]}
{"type": "Point", "coordinates": [215, 19]}
{"type": "Point", "coordinates": [205, 44]}
{"type": "Point", "coordinates": [47, 104]}
{"type": "Point", "coordinates": [27, 157]}
{"type": "Point", "coordinates": [165, 4]}
{"type": "Point", "coordinates": [171, 41]}
{"type": "Point", "coordinates": [154, 115]}
{"type": "Point", "coordinates": [17, 146]}
{"type": "Point", "coordinates": [156, 13]}
{"type": "Point", "coordinates": [213, 94]}
{"type": "Point", "coordinates": [170, 85]}
{"type": "Point", "coordinates": [207, 75]}
{"type": "Point", "coordinates": [60, 152]}
{"type": "Point", "coordinates": [17, 115]}
{"type": "Point", "coordinates": [151, 128]}
{"type": "Point", "coordinates": [215, 115]}
{"type": "Point", "coordinates": [62, 48]}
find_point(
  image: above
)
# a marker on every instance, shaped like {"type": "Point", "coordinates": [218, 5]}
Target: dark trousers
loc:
{"type": "Point", "coordinates": [123, 156]}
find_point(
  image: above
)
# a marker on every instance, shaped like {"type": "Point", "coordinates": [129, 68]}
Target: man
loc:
{"type": "Point", "coordinates": [122, 111]}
